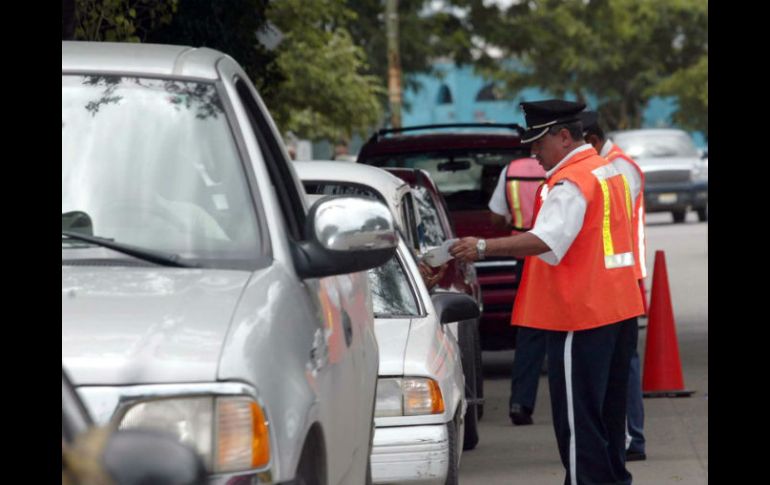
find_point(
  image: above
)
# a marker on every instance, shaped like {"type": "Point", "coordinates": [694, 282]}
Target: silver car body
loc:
{"type": "Point", "coordinates": [142, 333]}
{"type": "Point", "coordinates": [676, 175]}
{"type": "Point", "coordinates": [415, 449]}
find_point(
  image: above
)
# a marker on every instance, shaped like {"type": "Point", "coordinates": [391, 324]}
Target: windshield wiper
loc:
{"type": "Point", "coordinates": [157, 257]}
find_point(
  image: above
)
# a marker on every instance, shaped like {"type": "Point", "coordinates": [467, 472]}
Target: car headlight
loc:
{"type": "Point", "coordinates": [230, 433]}
{"type": "Point", "coordinates": [408, 396]}
{"type": "Point", "coordinates": [699, 172]}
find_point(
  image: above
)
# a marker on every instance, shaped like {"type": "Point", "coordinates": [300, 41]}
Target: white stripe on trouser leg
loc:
{"type": "Point", "coordinates": [570, 409]}
{"type": "Point", "coordinates": [628, 436]}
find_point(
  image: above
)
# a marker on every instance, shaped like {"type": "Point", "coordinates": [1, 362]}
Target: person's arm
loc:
{"type": "Point", "coordinates": [517, 246]}
{"type": "Point", "coordinates": [498, 205]}
{"type": "Point", "coordinates": [556, 226]}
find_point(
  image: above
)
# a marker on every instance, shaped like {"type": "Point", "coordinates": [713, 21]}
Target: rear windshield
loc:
{"type": "Point", "coordinates": [465, 178]}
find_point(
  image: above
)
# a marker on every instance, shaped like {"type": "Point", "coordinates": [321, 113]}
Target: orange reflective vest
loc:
{"type": "Point", "coordinates": [523, 178]}
{"type": "Point", "coordinates": [638, 217]}
{"type": "Point", "coordinates": [594, 283]}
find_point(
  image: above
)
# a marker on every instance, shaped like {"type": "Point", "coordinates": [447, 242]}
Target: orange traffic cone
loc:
{"type": "Point", "coordinates": [662, 368]}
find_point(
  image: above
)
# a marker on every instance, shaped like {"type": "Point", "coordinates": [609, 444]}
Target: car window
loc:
{"type": "Point", "coordinates": [341, 188]}
{"type": "Point", "coordinates": [465, 178]}
{"type": "Point", "coordinates": [431, 232]}
{"type": "Point", "coordinates": [392, 294]}
{"type": "Point", "coordinates": [409, 216]}
{"type": "Point", "coordinates": [656, 145]}
{"type": "Point", "coordinates": [153, 163]}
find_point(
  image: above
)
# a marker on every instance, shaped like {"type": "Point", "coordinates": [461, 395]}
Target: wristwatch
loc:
{"type": "Point", "coordinates": [481, 246]}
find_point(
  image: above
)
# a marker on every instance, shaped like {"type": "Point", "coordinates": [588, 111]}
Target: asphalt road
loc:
{"type": "Point", "coordinates": [676, 429]}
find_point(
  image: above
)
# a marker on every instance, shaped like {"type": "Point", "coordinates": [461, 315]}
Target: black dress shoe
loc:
{"type": "Point", "coordinates": [635, 456]}
{"type": "Point", "coordinates": [520, 415]}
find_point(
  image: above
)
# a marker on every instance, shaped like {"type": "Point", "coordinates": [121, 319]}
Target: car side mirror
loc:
{"type": "Point", "coordinates": [455, 307]}
{"type": "Point", "coordinates": [345, 234]}
{"type": "Point", "coordinates": [139, 456]}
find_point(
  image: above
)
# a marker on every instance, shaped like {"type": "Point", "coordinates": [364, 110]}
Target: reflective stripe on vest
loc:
{"type": "Point", "coordinates": [612, 260]}
{"type": "Point", "coordinates": [637, 214]}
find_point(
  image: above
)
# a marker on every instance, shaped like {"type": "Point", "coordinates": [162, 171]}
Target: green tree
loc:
{"type": "Point", "coordinates": [690, 86]}
{"type": "Point", "coordinates": [326, 92]}
{"type": "Point", "coordinates": [621, 51]}
{"type": "Point", "coordinates": [120, 20]}
{"type": "Point", "coordinates": [425, 35]}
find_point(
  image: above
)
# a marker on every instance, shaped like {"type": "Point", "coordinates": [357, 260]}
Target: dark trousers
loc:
{"type": "Point", "coordinates": [527, 359]}
{"type": "Point", "coordinates": [588, 379]}
{"type": "Point", "coordinates": [527, 362]}
{"type": "Point", "coordinates": [635, 409]}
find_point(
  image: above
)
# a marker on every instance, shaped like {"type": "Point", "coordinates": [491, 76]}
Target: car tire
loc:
{"type": "Point", "coordinates": [453, 468]}
{"type": "Point", "coordinates": [679, 216]}
{"type": "Point", "coordinates": [468, 351]}
{"type": "Point", "coordinates": [479, 372]}
{"type": "Point", "coordinates": [703, 214]}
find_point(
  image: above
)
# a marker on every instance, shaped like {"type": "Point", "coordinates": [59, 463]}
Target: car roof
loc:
{"type": "Point", "coordinates": [647, 131]}
{"type": "Point", "coordinates": [140, 59]}
{"type": "Point", "coordinates": [404, 144]}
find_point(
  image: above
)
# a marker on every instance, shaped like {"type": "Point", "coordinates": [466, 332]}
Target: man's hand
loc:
{"type": "Point", "coordinates": [465, 249]}
{"type": "Point", "coordinates": [429, 277]}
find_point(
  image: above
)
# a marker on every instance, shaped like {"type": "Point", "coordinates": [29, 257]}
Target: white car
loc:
{"type": "Point", "coordinates": [420, 406]}
{"type": "Point", "coordinates": [324, 178]}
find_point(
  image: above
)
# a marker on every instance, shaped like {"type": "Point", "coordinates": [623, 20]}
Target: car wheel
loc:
{"type": "Point", "coordinates": [679, 216]}
{"type": "Point", "coordinates": [467, 351]}
{"type": "Point", "coordinates": [703, 214]}
{"type": "Point", "coordinates": [453, 469]}
{"type": "Point", "coordinates": [479, 373]}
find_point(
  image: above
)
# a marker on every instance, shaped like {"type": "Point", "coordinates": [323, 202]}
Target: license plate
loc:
{"type": "Point", "coordinates": [667, 198]}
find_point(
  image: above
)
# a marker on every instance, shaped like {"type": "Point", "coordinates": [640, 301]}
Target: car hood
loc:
{"type": "Point", "coordinates": [392, 337]}
{"type": "Point", "coordinates": [146, 325]}
{"type": "Point", "coordinates": [667, 163]}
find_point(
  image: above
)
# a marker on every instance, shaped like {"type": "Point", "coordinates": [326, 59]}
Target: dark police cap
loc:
{"type": "Point", "coordinates": [541, 115]}
{"type": "Point", "coordinates": [589, 119]}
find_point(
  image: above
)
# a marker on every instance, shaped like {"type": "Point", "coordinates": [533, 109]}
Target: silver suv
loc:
{"type": "Point", "coordinates": [199, 294]}
{"type": "Point", "coordinates": [675, 172]}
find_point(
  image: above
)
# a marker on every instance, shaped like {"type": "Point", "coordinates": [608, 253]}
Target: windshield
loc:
{"type": "Point", "coordinates": [153, 163]}
{"type": "Point", "coordinates": [431, 232]}
{"type": "Point", "coordinates": [656, 145]}
{"type": "Point", "coordinates": [392, 295]}
{"type": "Point", "coordinates": [466, 179]}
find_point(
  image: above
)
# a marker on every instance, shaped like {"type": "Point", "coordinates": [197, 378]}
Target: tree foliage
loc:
{"type": "Point", "coordinates": [326, 92]}
{"type": "Point", "coordinates": [120, 20]}
{"type": "Point", "coordinates": [230, 27]}
{"type": "Point", "coordinates": [621, 51]}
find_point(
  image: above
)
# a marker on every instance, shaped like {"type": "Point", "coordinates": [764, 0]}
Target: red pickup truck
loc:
{"type": "Point", "coordinates": [465, 161]}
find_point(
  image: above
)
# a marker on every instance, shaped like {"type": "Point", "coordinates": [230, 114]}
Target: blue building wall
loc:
{"type": "Point", "coordinates": [422, 106]}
